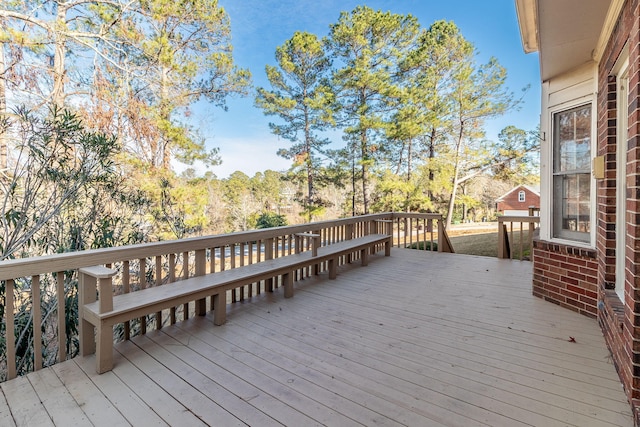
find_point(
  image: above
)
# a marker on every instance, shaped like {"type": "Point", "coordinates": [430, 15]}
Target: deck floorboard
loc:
{"type": "Point", "coordinates": [415, 339]}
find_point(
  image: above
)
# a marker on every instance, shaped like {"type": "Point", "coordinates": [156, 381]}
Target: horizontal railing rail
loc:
{"type": "Point", "coordinates": [510, 247]}
{"type": "Point", "coordinates": [40, 323]}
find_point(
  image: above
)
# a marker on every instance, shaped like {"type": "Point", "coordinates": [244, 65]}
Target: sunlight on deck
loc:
{"type": "Point", "coordinates": [417, 339]}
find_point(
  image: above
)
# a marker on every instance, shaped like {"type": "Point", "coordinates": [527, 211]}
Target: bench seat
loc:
{"type": "Point", "coordinates": [133, 305]}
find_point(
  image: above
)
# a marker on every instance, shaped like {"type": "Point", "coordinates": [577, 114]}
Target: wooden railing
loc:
{"type": "Point", "coordinates": [43, 331]}
{"type": "Point", "coordinates": [516, 242]}
{"type": "Point", "coordinates": [421, 231]}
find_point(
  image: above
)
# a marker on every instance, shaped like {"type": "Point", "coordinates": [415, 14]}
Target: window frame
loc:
{"type": "Point", "coordinates": [522, 196]}
{"type": "Point", "coordinates": [575, 238]}
{"type": "Point", "coordinates": [621, 70]}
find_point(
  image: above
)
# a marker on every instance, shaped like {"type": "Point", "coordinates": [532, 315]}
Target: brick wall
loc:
{"type": "Point", "coordinates": [566, 275]}
{"type": "Point", "coordinates": [620, 320]}
{"type": "Point", "coordinates": [632, 300]}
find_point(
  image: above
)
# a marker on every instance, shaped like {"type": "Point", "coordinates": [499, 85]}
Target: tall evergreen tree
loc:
{"type": "Point", "coordinates": [302, 99]}
{"type": "Point", "coordinates": [447, 99]}
{"type": "Point", "coordinates": [188, 55]}
{"type": "Point", "coordinates": [424, 110]}
{"type": "Point", "coordinates": [369, 46]}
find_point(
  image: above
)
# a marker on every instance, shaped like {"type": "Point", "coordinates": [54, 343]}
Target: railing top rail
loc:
{"type": "Point", "coordinates": [417, 215]}
{"type": "Point", "coordinates": [24, 267]}
{"type": "Point", "coordinates": [518, 218]}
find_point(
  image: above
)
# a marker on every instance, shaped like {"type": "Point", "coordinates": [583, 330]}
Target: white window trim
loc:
{"type": "Point", "coordinates": [547, 158]}
{"type": "Point", "coordinates": [523, 198]}
{"type": "Point", "coordinates": [621, 69]}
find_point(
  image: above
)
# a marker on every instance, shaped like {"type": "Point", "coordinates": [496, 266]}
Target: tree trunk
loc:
{"type": "Point", "coordinates": [409, 154]}
{"type": "Point", "coordinates": [456, 176]}
{"type": "Point", "coordinates": [307, 139]}
{"type": "Point", "coordinates": [59, 53]}
{"type": "Point", "coordinates": [432, 155]}
{"type": "Point", "coordinates": [353, 182]}
{"type": "Point", "coordinates": [400, 159]}
{"type": "Point", "coordinates": [310, 189]}
{"type": "Point", "coordinates": [452, 199]}
{"type": "Point", "coordinates": [3, 110]}
{"type": "Point", "coordinates": [365, 171]}
{"type": "Point", "coordinates": [165, 115]}
{"type": "Point", "coordinates": [464, 206]}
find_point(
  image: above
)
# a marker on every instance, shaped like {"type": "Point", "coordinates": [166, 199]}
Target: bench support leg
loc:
{"type": "Point", "coordinates": [87, 338]}
{"type": "Point", "coordinates": [201, 307]}
{"type": "Point", "coordinates": [287, 282]}
{"type": "Point", "coordinates": [333, 268]}
{"type": "Point", "coordinates": [364, 254]}
{"type": "Point", "coordinates": [387, 247]}
{"type": "Point", "coordinates": [104, 352]}
{"type": "Point", "coordinates": [220, 308]}
{"type": "Point", "coordinates": [87, 294]}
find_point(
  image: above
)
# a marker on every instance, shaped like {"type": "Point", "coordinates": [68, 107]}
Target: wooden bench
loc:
{"type": "Point", "coordinates": [98, 316]}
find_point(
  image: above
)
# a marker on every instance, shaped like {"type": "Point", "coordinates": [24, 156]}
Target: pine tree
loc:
{"type": "Point", "coordinates": [302, 99]}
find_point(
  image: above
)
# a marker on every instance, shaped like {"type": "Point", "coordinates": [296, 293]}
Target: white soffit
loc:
{"type": "Point", "coordinates": [568, 33]}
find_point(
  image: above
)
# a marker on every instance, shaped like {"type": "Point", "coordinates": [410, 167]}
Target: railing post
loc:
{"type": "Point", "coordinates": [532, 227]}
{"type": "Point", "coordinates": [158, 282]}
{"type": "Point", "coordinates": [126, 288]}
{"type": "Point", "coordinates": [268, 254]}
{"type": "Point", "coordinates": [201, 270]}
{"type": "Point", "coordinates": [142, 279]}
{"type": "Point", "coordinates": [501, 235]}
{"type": "Point", "coordinates": [504, 251]}
{"type": "Point", "coordinates": [62, 333]}
{"type": "Point", "coordinates": [387, 229]}
{"type": "Point", "coordinates": [10, 337]}
{"type": "Point", "coordinates": [444, 244]}
{"type": "Point", "coordinates": [348, 232]}
{"type": "Point", "coordinates": [298, 240]}
{"type": "Point", "coordinates": [37, 322]}
{"type": "Point", "coordinates": [348, 236]}
{"type": "Point", "coordinates": [185, 275]}
{"type": "Point", "coordinates": [316, 240]}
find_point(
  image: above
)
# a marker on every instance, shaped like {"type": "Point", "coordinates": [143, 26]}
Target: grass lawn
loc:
{"type": "Point", "coordinates": [486, 244]}
{"type": "Point", "coordinates": [483, 244]}
{"type": "Point", "coordinates": [484, 241]}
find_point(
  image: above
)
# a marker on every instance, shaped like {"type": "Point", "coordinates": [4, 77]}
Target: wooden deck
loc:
{"type": "Point", "coordinates": [417, 339]}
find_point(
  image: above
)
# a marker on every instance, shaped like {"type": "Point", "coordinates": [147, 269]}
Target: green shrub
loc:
{"type": "Point", "coordinates": [270, 219]}
{"type": "Point", "coordinates": [422, 245]}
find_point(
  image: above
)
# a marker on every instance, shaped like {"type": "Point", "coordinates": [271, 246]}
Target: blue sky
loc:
{"type": "Point", "coordinates": [259, 26]}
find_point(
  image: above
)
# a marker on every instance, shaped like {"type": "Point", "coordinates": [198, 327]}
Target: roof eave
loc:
{"type": "Point", "coordinates": [527, 11]}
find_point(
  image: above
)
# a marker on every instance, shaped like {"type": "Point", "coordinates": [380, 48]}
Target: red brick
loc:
{"type": "Point", "coordinates": [557, 257]}
{"type": "Point", "coordinates": [576, 289]}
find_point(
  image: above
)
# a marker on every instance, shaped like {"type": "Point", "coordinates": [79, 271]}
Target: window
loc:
{"type": "Point", "coordinates": [521, 196]}
{"type": "Point", "coordinates": [572, 174]}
